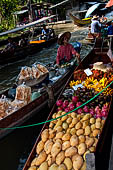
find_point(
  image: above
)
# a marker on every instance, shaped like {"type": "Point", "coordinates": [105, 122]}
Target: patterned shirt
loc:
{"type": "Point", "coordinates": [65, 51]}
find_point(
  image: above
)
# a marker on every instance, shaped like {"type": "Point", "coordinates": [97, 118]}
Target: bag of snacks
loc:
{"type": "Point", "coordinates": [25, 73]}
{"type": "Point", "coordinates": [16, 104]}
{"type": "Point", "coordinates": [4, 105]}
{"type": "Point", "coordinates": [36, 73]}
{"type": "Point", "coordinates": [23, 93]}
{"type": "Point", "coordinates": [42, 68]}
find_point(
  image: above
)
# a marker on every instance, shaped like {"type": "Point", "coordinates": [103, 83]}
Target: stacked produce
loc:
{"type": "Point", "coordinates": [69, 137]}
{"type": "Point", "coordinates": [64, 145]}
{"type": "Point", "coordinates": [36, 71]}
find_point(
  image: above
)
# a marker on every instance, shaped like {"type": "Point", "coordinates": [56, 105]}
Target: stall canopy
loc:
{"type": "Point", "coordinates": [61, 3]}
{"type": "Point", "coordinates": [109, 4]}
{"type": "Point", "coordinates": [91, 3]}
{"type": "Point", "coordinates": [91, 9]}
{"type": "Point", "coordinates": [27, 25]}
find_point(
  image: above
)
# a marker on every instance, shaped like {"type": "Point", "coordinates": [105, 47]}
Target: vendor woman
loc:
{"type": "Point", "coordinates": [65, 51]}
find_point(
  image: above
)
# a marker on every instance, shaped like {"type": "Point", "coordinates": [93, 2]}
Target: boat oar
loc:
{"type": "Point", "coordinates": [109, 53]}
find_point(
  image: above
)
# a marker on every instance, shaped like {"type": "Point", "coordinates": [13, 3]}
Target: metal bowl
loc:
{"type": "Point", "coordinates": [68, 93]}
{"type": "Point", "coordinates": [62, 70]}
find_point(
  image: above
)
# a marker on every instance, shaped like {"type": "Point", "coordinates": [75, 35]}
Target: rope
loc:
{"type": "Point", "coordinates": [20, 127]}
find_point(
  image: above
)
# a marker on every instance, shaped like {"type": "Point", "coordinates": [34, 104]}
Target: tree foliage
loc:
{"type": "Point", "coordinates": [7, 7]}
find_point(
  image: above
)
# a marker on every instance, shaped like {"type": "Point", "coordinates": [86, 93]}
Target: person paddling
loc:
{"type": "Point", "coordinates": [65, 51]}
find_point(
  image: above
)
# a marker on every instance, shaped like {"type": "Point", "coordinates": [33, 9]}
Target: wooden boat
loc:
{"type": "Point", "coordinates": [91, 58]}
{"type": "Point", "coordinates": [80, 22]}
{"type": "Point", "coordinates": [26, 112]}
{"type": "Point", "coordinates": [22, 52]}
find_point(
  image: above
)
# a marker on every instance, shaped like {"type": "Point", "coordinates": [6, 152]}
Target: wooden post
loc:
{"type": "Point", "coordinates": [30, 11]}
{"type": "Point", "coordinates": [56, 14]}
{"type": "Point", "coordinates": [50, 92]}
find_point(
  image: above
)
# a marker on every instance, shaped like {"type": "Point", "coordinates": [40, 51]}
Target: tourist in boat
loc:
{"type": "Point", "coordinates": [110, 29]}
{"type": "Point", "coordinates": [65, 51]}
{"type": "Point", "coordinates": [47, 33]}
{"type": "Point", "coordinates": [95, 26]}
{"type": "Point", "coordinates": [22, 41]}
{"type": "Point", "coordinates": [10, 46]}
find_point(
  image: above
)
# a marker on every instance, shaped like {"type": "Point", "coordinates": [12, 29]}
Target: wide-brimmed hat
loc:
{"type": "Point", "coordinates": [62, 35]}
{"type": "Point", "coordinates": [95, 17]}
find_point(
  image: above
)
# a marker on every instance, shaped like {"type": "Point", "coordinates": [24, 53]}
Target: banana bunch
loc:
{"type": "Point", "coordinates": [98, 85]}
{"type": "Point", "coordinates": [90, 82]}
{"type": "Point", "coordinates": [74, 83]}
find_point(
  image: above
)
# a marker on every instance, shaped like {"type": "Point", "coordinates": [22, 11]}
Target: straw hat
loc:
{"type": "Point", "coordinates": [61, 36]}
{"type": "Point", "coordinates": [95, 17]}
{"type": "Point", "coordinates": [100, 66]}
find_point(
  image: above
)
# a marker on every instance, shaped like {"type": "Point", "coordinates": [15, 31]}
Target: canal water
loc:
{"type": "Point", "coordinates": [15, 147]}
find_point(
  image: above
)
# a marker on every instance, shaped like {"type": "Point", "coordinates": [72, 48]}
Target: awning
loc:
{"type": "Point", "coordinates": [91, 9]}
{"type": "Point", "coordinates": [109, 4]}
{"type": "Point", "coordinates": [61, 3]}
{"type": "Point", "coordinates": [91, 3]}
{"type": "Point", "coordinates": [20, 12]}
{"type": "Point", "coordinates": [27, 25]}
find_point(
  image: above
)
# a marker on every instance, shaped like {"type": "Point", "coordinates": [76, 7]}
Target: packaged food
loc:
{"type": "Point", "coordinates": [18, 103]}
{"type": "Point", "coordinates": [25, 73]}
{"type": "Point", "coordinates": [4, 105]}
{"type": "Point", "coordinates": [36, 73]}
{"type": "Point", "coordinates": [42, 68]}
{"type": "Point", "coordinates": [23, 93]}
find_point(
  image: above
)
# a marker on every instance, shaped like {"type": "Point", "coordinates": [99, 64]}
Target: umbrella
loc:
{"type": "Point", "coordinates": [91, 9]}
{"type": "Point", "coordinates": [109, 4]}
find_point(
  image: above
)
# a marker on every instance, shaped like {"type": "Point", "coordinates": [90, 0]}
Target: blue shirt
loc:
{"type": "Point", "coordinates": [110, 30]}
{"type": "Point", "coordinates": [44, 32]}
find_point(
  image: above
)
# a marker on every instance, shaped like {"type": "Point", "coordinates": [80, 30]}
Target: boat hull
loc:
{"type": "Point", "coordinates": [90, 58]}
{"type": "Point", "coordinates": [20, 116]}
{"type": "Point", "coordinates": [80, 22]}
{"type": "Point", "coordinates": [21, 53]}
